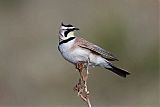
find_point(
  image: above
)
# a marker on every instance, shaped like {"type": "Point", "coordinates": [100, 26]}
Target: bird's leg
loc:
{"type": "Point", "coordinates": [80, 65]}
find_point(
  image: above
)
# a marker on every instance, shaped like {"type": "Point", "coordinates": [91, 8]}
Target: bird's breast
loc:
{"type": "Point", "coordinates": [75, 54]}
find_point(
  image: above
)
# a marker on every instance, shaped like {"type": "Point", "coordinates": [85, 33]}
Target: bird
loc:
{"type": "Point", "coordinates": [76, 49]}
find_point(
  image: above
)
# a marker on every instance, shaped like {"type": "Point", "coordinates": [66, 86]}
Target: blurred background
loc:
{"type": "Point", "coordinates": [34, 74]}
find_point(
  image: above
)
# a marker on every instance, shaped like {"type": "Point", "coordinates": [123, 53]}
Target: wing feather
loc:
{"type": "Point", "coordinates": [96, 49]}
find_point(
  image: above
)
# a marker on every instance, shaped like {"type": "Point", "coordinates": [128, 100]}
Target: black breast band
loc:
{"type": "Point", "coordinates": [67, 40]}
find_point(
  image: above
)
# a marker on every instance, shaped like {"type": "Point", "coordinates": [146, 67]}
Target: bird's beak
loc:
{"type": "Point", "coordinates": [76, 28]}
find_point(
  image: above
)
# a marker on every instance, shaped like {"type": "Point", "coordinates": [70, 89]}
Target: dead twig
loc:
{"type": "Point", "coordinates": [81, 86]}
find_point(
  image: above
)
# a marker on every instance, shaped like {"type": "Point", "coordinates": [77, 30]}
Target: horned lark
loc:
{"type": "Point", "coordinates": [76, 49]}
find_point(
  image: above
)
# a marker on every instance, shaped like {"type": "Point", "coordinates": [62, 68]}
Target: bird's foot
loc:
{"type": "Point", "coordinates": [80, 65]}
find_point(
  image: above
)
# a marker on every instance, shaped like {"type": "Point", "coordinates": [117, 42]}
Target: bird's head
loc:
{"type": "Point", "coordinates": [66, 31]}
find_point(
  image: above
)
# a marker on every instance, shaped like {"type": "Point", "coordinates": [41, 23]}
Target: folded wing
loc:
{"type": "Point", "coordinates": [97, 50]}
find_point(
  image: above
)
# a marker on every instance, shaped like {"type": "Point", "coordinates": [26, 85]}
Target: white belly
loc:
{"type": "Point", "coordinates": [76, 55]}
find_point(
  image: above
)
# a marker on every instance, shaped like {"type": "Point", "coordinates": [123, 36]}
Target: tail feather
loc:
{"type": "Point", "coordinates": [118, 71]}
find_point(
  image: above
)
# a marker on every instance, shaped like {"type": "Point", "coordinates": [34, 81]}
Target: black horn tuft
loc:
{"type": "Point", "coordinates": [62, 24]}
{"type": "Point", "coordinates": [67, 25]}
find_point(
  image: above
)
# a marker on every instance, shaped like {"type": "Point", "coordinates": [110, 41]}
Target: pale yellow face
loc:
{"type": "Point", "coordinates": [67, 32]}
{"type": "Point", "coordinates": [71, 34]}
{"type": "Point", "coordinates": [63, 35]}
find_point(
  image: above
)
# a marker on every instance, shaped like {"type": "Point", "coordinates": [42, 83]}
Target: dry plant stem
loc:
{"type": "Point", "coordinates": [81, 87]}
{"type": "Point", "coordinates": [86, 89]}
